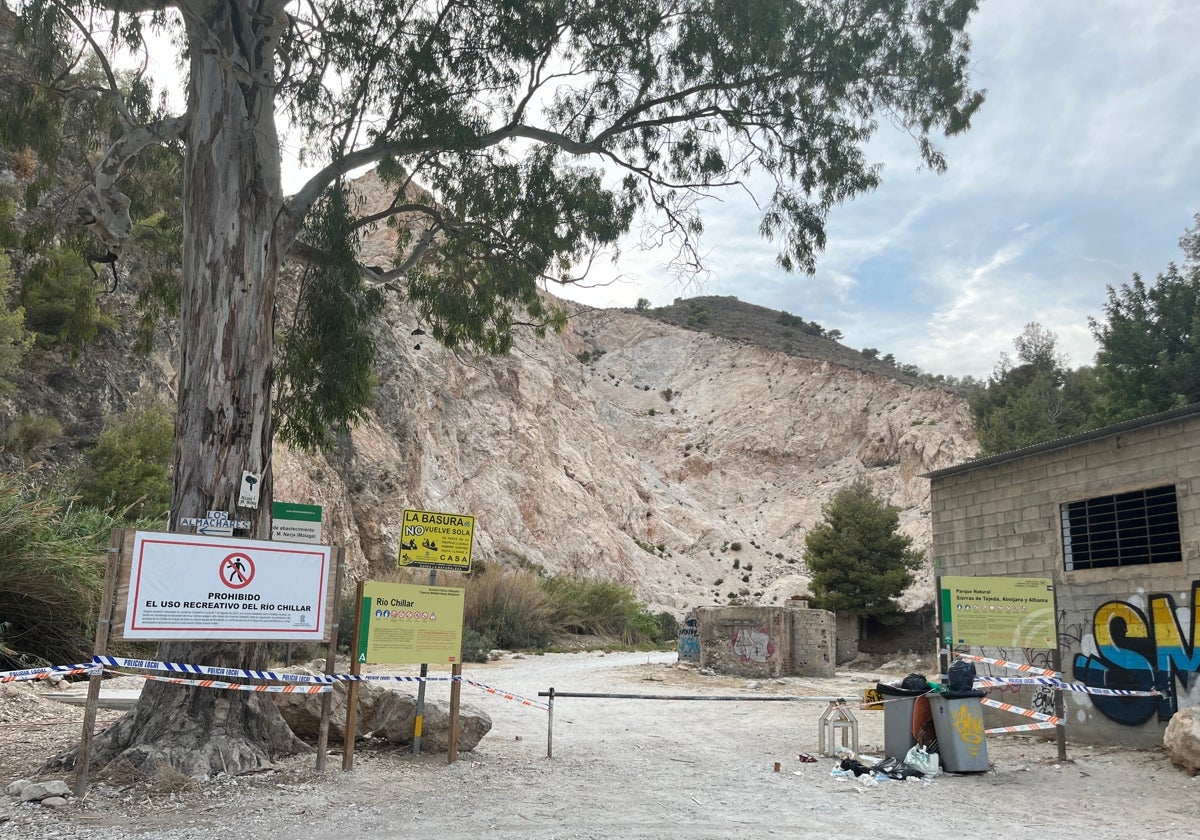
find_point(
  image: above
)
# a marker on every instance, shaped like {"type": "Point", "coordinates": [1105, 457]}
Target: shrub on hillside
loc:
{"type": "Point", "coordinates": [30, 433]}
{"type": "Point", "coordinates": [128, 468]}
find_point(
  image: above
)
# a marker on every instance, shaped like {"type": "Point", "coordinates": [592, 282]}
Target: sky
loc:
{"type": "Point", "coordinates": [1081, 168]}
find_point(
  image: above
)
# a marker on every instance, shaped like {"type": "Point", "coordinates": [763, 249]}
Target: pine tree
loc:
{"type": "Point", "coordinates": [858, 561]}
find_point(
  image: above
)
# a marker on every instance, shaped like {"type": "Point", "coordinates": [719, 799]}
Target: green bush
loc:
{"type": "Point", "coordinates": [59, 293]}
{"type": "Point", "coordinates": [509, 608]}
{"type": "Point", "coordinates": [128, 468]}
{"type": "Point", "coordinates": [28, 433]}
{"type": "Point", "coordinates": [668, 627]}
{"type": "Point", "coordinates": [51, 575]}
{"type": "Point", "coordinates": [476, 646]}
{"type": "Point", "coordinates": [601, 608]}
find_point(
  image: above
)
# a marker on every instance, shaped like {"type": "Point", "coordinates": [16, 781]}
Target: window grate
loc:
{"type": "Point", "coordinates": [1127, 529]}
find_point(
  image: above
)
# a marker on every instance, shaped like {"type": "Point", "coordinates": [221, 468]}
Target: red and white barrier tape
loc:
{"type": "Point", "coordinates": [1015, 666]}
{"type": "Point", "coordinates": [1024, 727]}
{"type": "Point", "coordinates": [44, 673]}
{"type": "Point", "coordinates": [508, 695]}
{"type": "Point", "coordinates": [1017, 710]}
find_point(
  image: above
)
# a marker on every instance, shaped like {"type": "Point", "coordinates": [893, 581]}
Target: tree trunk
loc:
{"type": "Point", "coordinates": [231, 257]}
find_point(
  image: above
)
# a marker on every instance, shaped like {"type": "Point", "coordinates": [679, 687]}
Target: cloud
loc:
{"type": "Point", "coordinates": [1082, 167]}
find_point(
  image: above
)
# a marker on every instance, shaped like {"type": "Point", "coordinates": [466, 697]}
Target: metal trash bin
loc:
{"type": "Point", "coordinates": [958, 722]}
{"type": "Point", "coordinates": [899, 705]}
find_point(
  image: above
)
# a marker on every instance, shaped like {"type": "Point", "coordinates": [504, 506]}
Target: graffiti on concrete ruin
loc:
{"type": "Point", "coordinates": [1142, 649]}
{"type": "Point", "coordinates": [689, 640]}
{"type": "Point", "coordinates": [753, 645]}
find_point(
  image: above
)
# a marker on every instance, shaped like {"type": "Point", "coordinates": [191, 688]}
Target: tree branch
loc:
{"type": "Point", "coordinates": [114, 91]}
{"type": "Point", "coordinates": [105, 208]}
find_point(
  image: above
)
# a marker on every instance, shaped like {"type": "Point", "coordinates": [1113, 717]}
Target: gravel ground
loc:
{"type": "Point", "coordinates": [670, 770]}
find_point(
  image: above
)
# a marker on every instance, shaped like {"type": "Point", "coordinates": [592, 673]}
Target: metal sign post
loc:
{"type": "Point", "coordinates": [419, 725]}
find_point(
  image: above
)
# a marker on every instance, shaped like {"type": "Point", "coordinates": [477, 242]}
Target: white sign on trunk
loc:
{"type": "Point", "coordinates": [190, 587]}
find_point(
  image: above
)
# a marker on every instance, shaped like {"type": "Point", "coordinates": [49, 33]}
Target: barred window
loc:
{"type": "Point", "coordinates": [1128, 529]}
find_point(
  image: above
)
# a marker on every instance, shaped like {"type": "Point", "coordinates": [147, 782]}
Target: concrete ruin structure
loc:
{"type": "Point", "coordinates": [767, 641]}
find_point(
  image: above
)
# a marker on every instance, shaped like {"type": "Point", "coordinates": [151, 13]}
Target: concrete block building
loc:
{"type": "Point", "coordinates": [1113, 518]}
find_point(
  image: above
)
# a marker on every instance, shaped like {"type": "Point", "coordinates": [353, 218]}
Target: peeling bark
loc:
{"type": "Point", "coordinates": [231, 259]}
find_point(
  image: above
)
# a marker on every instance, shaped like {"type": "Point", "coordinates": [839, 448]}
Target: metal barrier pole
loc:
{"type": "Point", "coordinates": [550, 724]}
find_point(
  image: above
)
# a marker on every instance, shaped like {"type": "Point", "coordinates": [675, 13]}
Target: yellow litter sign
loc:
{"type": "Point", "coordinates": [431, 540]}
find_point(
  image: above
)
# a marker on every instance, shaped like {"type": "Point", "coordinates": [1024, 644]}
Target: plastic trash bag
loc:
{"type": "Point", "coordinates": [960, 676]}
{"type": "Point", "coordinates": [919, 758]}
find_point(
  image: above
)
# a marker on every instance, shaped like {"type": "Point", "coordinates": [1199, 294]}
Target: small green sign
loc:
{"type": "Point", "coordinates": [296, 511]}
{"type": "Point", "coordinates": [295, 522]}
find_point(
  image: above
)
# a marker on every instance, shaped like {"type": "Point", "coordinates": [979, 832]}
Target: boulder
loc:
{"type": "Point", "coordinates": [1182, 739]}
{"type": "Point", "coordinates": [383, 713]}
{"type": "Point", "coordinates": [40, 791]}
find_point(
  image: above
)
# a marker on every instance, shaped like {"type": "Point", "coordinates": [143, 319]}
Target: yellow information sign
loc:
{"type": "Point", "coordinates": [430, 540]}
{"type": "Point", "coordinates": [405, 624]}
{"type": "Point", "coordinates": [1000, 611]}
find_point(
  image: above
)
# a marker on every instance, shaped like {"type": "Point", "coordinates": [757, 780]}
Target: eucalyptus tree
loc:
{"type": "Point", "coordinates": [520, 139]}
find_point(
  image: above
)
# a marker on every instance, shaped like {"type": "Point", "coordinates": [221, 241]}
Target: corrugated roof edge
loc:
{"type": "Point", "coordinates": [1063, 443]}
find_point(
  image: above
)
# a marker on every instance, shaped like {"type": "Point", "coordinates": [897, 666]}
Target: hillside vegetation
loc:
{"type": "Point", "coordinates": [730, 318]}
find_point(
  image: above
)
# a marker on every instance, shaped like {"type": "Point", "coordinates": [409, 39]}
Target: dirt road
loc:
{"type": "Point", "coordinates": [668, 770]}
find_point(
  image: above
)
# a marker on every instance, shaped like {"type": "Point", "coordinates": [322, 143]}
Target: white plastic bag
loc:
{"type": "Point", "coordinates": [918, 758]}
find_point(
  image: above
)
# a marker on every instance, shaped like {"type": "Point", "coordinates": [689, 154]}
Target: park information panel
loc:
{"type": "Point", "coordinates": [405, 624]}
{"type": "Point", "coordinates": [1000, 612]}
{"type": "Point", "coordinates": [193, 587]}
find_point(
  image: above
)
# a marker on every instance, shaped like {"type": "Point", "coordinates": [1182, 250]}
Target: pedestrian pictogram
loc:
{"type": "Point", "coordinates": [237, 570]}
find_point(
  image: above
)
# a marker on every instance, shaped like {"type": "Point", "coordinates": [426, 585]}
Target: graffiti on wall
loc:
{"type": "Point", "coordinates": [1143, 646]}
{"type": "Point", "coordinates": [689, 640]}
{"type": "Point", "coordinates": [752, 645]}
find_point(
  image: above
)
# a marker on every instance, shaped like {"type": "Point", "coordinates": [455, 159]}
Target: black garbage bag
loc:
{"type": "Point", "coordinates": [960, 676]}
{"type": "Point", "coordinates": [855, 766]}
{"type": "Point", "coordinates": [896, 769]}
{"type": "Point", "coordinates": [915, 682]}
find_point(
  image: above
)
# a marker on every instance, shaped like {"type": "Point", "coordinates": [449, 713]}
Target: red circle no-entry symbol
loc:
{"type": "Point", "coordinates": [237, 570]}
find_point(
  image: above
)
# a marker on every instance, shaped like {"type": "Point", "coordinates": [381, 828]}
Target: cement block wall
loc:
{"type": "Point", "coordinates": [765, 642]}
{"type": "Point", "coordinates": [1004, 520]}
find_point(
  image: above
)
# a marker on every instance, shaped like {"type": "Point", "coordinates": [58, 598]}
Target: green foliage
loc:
{"type": "Point", "coordinates": [857, 559]}
{"type": "Point", "coordinates": [642, 304]}
{"type": "Point", "coordinates": [29, 433]}
{"type": "Point", "coordinates": [477, 646]}
{"type": "Point", "coordinates": [128, 468]}
{"type": "Point", "coordinates": [601, 608]}
{"type": "Point", "coordinates": [698, 315]}
{"type": "Point", "coordinates": [326, 355]}
{"type": "Point", "coordinates": [507, 608]}
{"type": "Point", "coordinates": [15, 340]}
{"type": "Point", "coordinates": [1034, 399]}
{"type": "Point", "coordinates": [668, 627]}
{"type": "Point", "coordinates": [59, 293]}
{"type": "Point", "coordinates": [1149, 356]}
{"type": "Point", "coordinates": [50, 576]}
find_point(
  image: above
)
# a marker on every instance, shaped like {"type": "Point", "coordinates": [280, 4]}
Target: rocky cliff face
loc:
{"type": "Point", "coordinates": [683, 464]}
{"type": "Point", "coordinates": [686, 465]}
